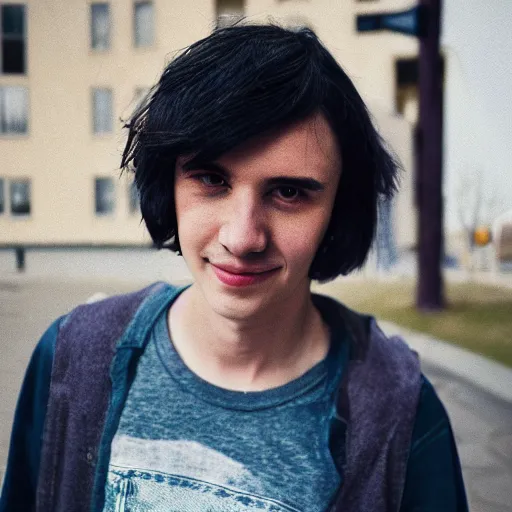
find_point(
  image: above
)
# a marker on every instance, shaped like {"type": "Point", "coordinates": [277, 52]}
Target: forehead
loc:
{"type": "Point", "coordinates": [307, 148]}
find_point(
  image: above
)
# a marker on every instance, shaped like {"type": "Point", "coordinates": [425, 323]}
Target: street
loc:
{"type": "Point", "coordinates": [482, 423]}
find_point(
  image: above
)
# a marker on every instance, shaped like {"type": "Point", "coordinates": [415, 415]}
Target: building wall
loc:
{"type": "Point", "coordinates": [399, 136]}
{"type": "Point", "coordinates": [61, 155]}
{"type": "Point", "coordinates": [367, 58]}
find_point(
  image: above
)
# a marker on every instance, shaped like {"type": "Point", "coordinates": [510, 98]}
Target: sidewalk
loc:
{"type": "Point", "coordinates": [477, 394]}
{"type": "Point", "coordinates": [491, 278]}
{"type": "Point", "coordinates": [490, 376]}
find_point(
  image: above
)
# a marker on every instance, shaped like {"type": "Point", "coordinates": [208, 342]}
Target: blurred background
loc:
{"type": "Point", "coordinates": [72, 72]}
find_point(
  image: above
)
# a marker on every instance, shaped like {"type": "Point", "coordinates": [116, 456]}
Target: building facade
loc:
{"type": "Point", "coordinates": [71, 72]}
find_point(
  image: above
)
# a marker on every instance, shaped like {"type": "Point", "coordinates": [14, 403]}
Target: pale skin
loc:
{"type": "Point", "coordinates": [257, 213]}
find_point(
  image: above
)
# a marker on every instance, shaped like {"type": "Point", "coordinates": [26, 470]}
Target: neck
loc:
{"type": "Point", "coordinates": [250, 354]}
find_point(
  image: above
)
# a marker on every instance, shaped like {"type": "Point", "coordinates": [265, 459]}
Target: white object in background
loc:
{"type": "Point", "coordinates": [96, 297]}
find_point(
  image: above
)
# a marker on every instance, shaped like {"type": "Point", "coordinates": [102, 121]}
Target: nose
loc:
{"type": "Point", "coordinates": [243, 229]}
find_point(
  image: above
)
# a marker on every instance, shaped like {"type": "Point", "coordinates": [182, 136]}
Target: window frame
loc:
{"type": "Point", "coordinates": [26, 107]}
{"type": "Point", "coordinates": [3, 197]}
{"type": "Point", "coordinates": [13, 182]}
{"type": "Point", "coordinates": [113, 204]}
{"type": "Point", "coordinates": [22, 38]}
{"type": "Point", "coordinates": [136, 43]}
{"type": "Point", "coordinates": [94, 110]}
{"type": "Point", "coordinates": [226, 15]}
{"type": "Point", "coordinates": [92, 6]}
{"type": "Point", "coordinates": [133, 198]}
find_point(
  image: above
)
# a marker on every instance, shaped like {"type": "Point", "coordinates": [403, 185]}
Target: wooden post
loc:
{"type": "Point", "coordinates": [430, 288]}
{"type": "Point", "coordinates": [20, 259]}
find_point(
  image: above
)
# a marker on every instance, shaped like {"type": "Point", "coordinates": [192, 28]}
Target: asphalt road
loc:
{"type": "Point", "coordinates": [482, 423]}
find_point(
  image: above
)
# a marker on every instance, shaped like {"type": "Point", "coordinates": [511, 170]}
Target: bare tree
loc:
{"type": "Point", "coordinates": [477, 206]}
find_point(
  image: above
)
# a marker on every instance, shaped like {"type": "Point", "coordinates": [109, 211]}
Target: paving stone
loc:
{"type": "Point", "coordinates": [478, 456]}
{"type": "Point", "coordinates": [494, 489]}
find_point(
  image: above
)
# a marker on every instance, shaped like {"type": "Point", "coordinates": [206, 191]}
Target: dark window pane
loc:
{"type": "Point", "coordinates": [104, 195]}
{"type": "Point", "coordinates": [134, 198]}
{"type": "Point", "coordinates": [229, 12]}
{"type": "Point", "coordinates": [13, 20]}
{"type": "Point", "coordinates": [20, 197]}
{"type": "Point", "coordinates": [407, 71]}
{"type": "Point", "coordinates": [102, 110]}
{"type": "Point", "coordinates": [100, 26]}
{"type": "Point", "coordinates": [13, 56]}
{"type": "Point", "coordinates": [144, 24]}
{"type": "Point", "coordinates": [13, 109]}
{"type": "Point", "coordinates": [2, 197]}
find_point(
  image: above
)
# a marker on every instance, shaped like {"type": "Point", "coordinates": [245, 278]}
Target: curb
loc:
{"type": "Point", "coordinates": [490, 376]}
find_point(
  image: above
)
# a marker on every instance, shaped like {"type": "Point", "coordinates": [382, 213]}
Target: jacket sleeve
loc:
{"type": "Point", "coordinates": [20, 482]}
{"type": "Point", "coordinates": [434, 478]}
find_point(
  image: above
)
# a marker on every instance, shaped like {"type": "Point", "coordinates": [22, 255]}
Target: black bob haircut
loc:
{"type": "Point", "coordinates": [241, 82]}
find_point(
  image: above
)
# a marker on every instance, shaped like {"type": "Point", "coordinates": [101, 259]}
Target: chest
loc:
{"type": "Point", "coordinates": [176, 446]}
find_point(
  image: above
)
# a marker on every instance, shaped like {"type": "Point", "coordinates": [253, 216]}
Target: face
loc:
{"type": "Point", "coordinates": [250, 223]}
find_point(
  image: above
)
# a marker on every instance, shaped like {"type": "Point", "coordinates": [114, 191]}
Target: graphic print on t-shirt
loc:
{"type": "Point", "coordinates": [178, 476]}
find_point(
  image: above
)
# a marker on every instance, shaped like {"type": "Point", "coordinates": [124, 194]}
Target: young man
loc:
{"type": "Point", "coordinates": [255, 158]}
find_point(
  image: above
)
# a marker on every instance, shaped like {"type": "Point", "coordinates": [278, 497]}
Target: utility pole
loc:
{"type": "Point", "coordinates": [430, 285]}
{"type": "Point", "coordinates": [424, 22]}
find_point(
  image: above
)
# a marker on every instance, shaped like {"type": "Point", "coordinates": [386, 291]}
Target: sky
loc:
{"type": "Point", "coordinates": [477, 44]}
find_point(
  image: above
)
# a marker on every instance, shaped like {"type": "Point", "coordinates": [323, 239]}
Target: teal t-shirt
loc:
{"type": "Point", "coordinates": [184, 444]}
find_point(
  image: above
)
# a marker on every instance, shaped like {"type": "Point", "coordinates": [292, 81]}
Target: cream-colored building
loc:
{"type": "Point", "coordinates": [72, 70]}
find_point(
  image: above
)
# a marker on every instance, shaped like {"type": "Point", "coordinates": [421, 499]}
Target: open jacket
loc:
{"type": "Point", "coordinates": [390, 439]}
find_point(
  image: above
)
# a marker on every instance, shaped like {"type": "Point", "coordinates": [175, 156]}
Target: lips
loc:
{"type": "Point", "coordinates": [242, 276]}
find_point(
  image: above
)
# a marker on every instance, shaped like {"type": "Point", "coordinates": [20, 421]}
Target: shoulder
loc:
{"type": "Point", "coordinates": [109, 317]}
{"type": "Point", "coordinates": [431, 417]}
{"type": "Point", "coordinates": [368, 342]}
{"type": "Point", "coordinates": [122, 305]}
{"type": "Point", "coordinates": [380, 370]}
{"type": "Point", "coordinates": [90, 331]}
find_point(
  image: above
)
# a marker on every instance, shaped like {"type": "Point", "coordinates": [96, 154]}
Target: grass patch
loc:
{"type": "Point", "coordinates": [478, 317]}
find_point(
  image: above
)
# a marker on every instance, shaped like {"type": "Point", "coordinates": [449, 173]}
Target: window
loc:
{"type": "Point", "coordinates": [229, 12]}
{"type": "Point", "coordinates": [102, 110]}
{"type": "Point", "coordinates": [104, 192]}
{"type": "Point", "coordinates": [13, 38]}
{"type": "Point", "coordinates": [133, 198]}
{"type": "Point", "coordinates": [407, 94]}
{"type": "Point", "coordinates": [144, 24]}
{"type": "Point", "coordinates": [20, 197]}
{"type": "Point", "coordinates": [13, 109]}
{"type": "Point", "coordinates": [407, 87]}
{"type": "Point", "coordinates": [138, 100]}
{"type": "Point", "coordinates": [140, 97]}
{"type": "Point", "coordinates": [100, 26]}
{"type": "Point", "coordinates": [2, 196]}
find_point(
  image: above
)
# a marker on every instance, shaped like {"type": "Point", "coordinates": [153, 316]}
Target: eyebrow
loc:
{"type": "Point", "coordinates": [305, 183]}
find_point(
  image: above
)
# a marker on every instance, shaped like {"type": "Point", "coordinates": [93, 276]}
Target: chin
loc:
{"type": "Point", "coordinates": [238, 303]}
{"type": "Point", "coordinates": [236, 307]}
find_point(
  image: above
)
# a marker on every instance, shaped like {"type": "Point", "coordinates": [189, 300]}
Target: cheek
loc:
{"type": "Point", "coordinates": [194, 222]}
{"type": "Point", "coordinates": [195, 228]}
{"type": "Point", "coordinates": [300, 240]}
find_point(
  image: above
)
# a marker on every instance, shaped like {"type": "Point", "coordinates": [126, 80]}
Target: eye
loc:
{"type": "Point", "coordinates": [211, 179]}
{"type": "Point", "coordinates": [288, 193]}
